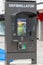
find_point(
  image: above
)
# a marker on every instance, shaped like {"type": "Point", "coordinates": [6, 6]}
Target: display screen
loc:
{"type": "Point", "coordinates": [2, 28]}
{"type": "Point", "coordinates": [21, 27]}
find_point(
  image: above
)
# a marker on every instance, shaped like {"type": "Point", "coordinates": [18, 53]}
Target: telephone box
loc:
{"type": "Point", "coordinates": [21, 26]}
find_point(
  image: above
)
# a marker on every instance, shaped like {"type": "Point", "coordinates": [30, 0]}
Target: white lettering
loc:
{"type": "Point", "coordinates": [21, 5]}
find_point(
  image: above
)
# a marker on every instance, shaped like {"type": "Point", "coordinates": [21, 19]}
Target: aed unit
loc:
{"type": "Point", "coordinates": [21, 26]}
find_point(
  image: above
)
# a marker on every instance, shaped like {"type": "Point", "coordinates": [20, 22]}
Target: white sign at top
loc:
{"type": "Point", "coordinates": [39, 1]}
{"type": "Point", "coordinates": [2, 7]}
{"type": "Point", "coordinates": [39, 6]}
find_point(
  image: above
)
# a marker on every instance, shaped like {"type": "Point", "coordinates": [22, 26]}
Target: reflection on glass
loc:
{"type": "Point", "coordinates": [21, 27]}
{"type": "Point", "coordinates": [2, 28]}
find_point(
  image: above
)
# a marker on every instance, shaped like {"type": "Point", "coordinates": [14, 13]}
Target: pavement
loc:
{"type": "Point", "coordinates": [40, 52]}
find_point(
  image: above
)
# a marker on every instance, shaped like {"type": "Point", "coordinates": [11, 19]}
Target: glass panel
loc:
{"type": "Point", "coordinates": [21, 27]}
{"type": "Point", "coordinates": [2, 28]}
